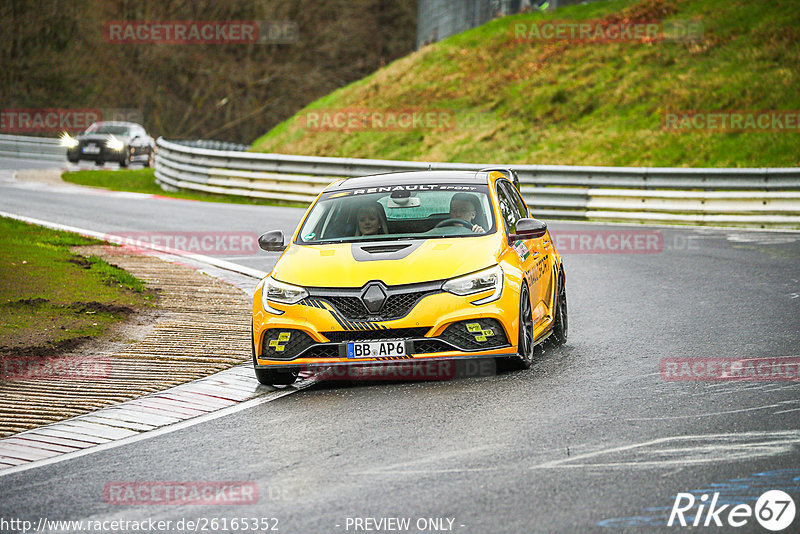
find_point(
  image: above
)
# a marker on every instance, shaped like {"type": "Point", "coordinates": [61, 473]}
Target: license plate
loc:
{"type": "Point", "coordinates": [91, 149]}
{"type": "Point", "coordinates": [376, 349]}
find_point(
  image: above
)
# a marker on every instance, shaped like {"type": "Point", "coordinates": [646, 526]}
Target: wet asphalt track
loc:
{"type": "Point", "coordinates": [590, 439]}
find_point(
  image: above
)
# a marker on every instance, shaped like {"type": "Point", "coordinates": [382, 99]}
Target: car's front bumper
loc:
{"type": "Point", "coordinates": [104, 154]}
{"type": "Point", "coordinates": [439, 326]}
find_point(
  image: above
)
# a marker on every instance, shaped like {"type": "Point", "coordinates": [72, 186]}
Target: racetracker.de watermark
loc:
{"type": "Point", "coordinates": [58, 120]}
{"type": "Point", "coordinates": [606, 31]}
{"type": "Point", "coordinates": [608, 241]}
{"type": "Point", "coordinates": [88, 368]}
{"type": "Point", "coordinates": [206, 243]}
{"type": "Point", "coordinates": [181, 493]}
{"type": "Point", "coordinates": [387, 120]}
{"type": "Point", "coordinates": [782, 369]}
{"type": "Point", "coordinates": [731, 121]}
{"type": "Point", "coordinates": [400, 370]}
{"type": "Point", "coordinates": [202, 32]}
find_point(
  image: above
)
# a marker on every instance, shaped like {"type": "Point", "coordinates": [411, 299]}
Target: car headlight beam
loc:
{"type": "Point", "coordinates": [478, 282]}
{"type": "Point", "coordinates": [114, 144]}
{"type": "Point", "coordinates": [281, 292]}
{"type": "Point", "coordinates": [66, 140]}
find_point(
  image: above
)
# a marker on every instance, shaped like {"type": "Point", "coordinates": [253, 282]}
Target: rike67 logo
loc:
{"type": "Point", "coordinates": [774, 510]}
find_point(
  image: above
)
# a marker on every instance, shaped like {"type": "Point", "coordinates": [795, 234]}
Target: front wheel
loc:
{"type": "Point", "coordinates": [526, 348]}
{"type": "Point", "coordinates": [268, 377]}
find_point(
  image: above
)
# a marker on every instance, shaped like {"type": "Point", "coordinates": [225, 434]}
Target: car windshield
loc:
{"type": "Point", "coordinates": [410, 211]}
{"type": "Point", "coordinates": [114, 129]}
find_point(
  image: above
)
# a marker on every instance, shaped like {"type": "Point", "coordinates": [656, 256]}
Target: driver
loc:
{"type": "Point", "coordinates": [464, 206]}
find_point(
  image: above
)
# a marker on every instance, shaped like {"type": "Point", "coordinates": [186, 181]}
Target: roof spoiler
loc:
{"type": "Point", "coordinates": [510, 173]}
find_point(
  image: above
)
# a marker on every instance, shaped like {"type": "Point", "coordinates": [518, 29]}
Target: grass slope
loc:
{"type": "Point", "coordinates": [581, 104]}
{"type": "Point", "coordinates": [51, 298]}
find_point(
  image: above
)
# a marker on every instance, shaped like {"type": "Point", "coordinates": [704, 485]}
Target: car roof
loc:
{"type": "Point", "coordinates": [119, 123]}
{"type": "Point", "coordinates": [415, 177]}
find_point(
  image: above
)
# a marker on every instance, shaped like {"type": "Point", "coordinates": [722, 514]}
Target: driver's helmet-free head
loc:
{"type": "Point", "coordinates": [464, 206]}
{"type": "Point", "coordinates": [371, 219]}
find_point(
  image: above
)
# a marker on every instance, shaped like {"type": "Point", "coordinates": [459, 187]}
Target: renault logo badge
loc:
{"type": "Point", "coordinates": [374, 297]}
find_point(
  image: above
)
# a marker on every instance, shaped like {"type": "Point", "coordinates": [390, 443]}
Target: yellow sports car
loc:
{"type": "Point", "coordinates": [413, 266]}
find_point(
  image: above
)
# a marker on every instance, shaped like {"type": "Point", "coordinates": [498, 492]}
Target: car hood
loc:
{"type": "Point", "coordinates": [355, 264]}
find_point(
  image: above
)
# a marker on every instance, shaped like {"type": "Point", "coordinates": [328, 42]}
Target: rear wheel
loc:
{"type": "Point", "coordinates": [526, 348]}
{"type": "Point", "coordinates": [269, 377]}
{"type": "Point", "coordinates": [561, 326]}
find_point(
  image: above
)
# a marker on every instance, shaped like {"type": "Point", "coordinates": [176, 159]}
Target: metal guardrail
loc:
{"type": "Point", "coordinates": [752, 197]}
{"type": "Point", "coordinates": [19, 146]}
{"type": "Point", "coordinates": [213, 144]}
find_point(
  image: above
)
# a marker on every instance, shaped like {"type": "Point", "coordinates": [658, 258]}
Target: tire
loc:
{"type": "Point", "coordinates": [126, 160]}
{"type": "Point", "coordinates": [149, 161]}
{"type": "Point", "coordinates": [527, 350]}
{"type": "Point", "coordinates": [561, 326]}
{"type": "Point", "coordinates": [267, 376]}
{"type": "Point", "coordinates": [276, 378]}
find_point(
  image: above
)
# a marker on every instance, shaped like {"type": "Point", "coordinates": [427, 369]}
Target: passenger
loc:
{"type": "Point", "coordinates": [371, 220]}
{"type": "Point", "coordinates": [465, 207]}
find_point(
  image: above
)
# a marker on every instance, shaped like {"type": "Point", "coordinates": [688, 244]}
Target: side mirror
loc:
{"type": "Point", "coordinates": [272, 241]}
{"type": "Point", "coordinates": [529, 229]}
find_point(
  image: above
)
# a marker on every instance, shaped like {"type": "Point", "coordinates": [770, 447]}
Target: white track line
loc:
{"type": "Point", "coordinates": [151, 433]}
{"type": "Point", "coordinates": [222, 264]}
{"type": "Point", "coordinates": [261, 399]}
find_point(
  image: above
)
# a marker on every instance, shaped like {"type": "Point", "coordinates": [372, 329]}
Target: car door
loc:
{"type": "Point", "coordinates": [523, 249]}
{"type": "Point", "coordinates": [544, 263]}
{"type": "Point", "coordinates": [533, 253]}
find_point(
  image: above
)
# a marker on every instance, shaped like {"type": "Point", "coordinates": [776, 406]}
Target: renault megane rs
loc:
{"type": "Point", "coordinates": [416, 266]}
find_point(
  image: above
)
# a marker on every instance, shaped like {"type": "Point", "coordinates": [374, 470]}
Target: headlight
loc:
{"type": "Point", "coordinates": [114, 144]}
{"type": "Point", "coordinates": [280, 292]}
{"type": "Point", "coordinates": [491, 278]}
{"type": "Point", "coordinates": [68, 141]}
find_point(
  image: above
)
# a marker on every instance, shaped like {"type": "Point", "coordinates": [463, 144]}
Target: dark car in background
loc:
{"type": "Point", "coordinates": [120, 142]}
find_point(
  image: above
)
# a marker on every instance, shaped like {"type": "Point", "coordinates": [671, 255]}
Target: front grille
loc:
{"type": "Point", "coordinates": [370, 335]}
{"type": "Point", "coordinates": [276, 346]}
{"type": "Point", "coordinates": [478, 334]}
{"type": "Point", "coordinates": [322, 351]}
{"type": "Point", "coordinates": [347, 302]}
{"type": "Point", "coordinates": [349, 307]}
{"type": "Point", "coordinates": [396, 306]}
{"type": "Point", "coordinates": [400, 305]}
{"type": "Point", "coordinates": [426, 346]}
